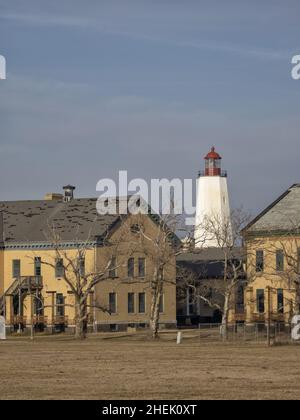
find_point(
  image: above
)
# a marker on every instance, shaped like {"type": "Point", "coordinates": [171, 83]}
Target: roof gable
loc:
{"type": "Point", "coordinates": [283, 215]}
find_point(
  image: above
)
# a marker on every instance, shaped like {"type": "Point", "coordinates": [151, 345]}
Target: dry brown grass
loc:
{"type": "Point", "coordinates": [115, 367]}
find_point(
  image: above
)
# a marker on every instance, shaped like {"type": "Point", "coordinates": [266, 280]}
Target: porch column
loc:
{"type": "Point", "coordinates": [90, 308]}
{"type": "Point", "coordinates": [51, 311]}
{"type": "Point", "coordinates": [249, 303]}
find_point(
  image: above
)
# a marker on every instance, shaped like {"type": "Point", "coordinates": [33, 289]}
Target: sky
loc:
{"type": "Point", "coordinates": [148, 86]}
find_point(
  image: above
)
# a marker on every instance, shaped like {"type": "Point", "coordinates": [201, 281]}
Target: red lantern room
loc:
{"type": "Point", "coordinates": [213, 163]}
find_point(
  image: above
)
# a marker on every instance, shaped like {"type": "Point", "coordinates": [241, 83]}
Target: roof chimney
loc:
{"type": "Point", "coordinates": [69, 192]}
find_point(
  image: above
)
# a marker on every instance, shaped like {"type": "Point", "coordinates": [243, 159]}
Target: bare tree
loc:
{"type": "Point", "coordinates": [161, 248]}
{"type": "Point", "coordinates": [219, 292]}
{"type": "Point", "coordinates": [80, 280]}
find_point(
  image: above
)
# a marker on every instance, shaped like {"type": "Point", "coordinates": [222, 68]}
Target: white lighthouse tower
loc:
{"type": "Point", "coordinates": [212, 221]}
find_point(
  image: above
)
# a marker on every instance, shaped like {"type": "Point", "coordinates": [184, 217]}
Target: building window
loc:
{"type": "Point", "coordinates": [113, 327]}
{"type": "Point", "coordinates": [131, 303]}
{"type": "Point", "coordinates": [280, 302]}
{"type": "Point", "coordinates": [37, 266]}
{"type": "Point", "coordinates": [60, 304]}
{"type": "Point", "coordinates": [161, 304]}
{"type": "Point", "coordinates": [112, 268]}
{"type": "Point", "coordinates": [17, 309]}
{"type": "Point", "coordinates": [112, 303]}
{"type": "Point", "coordinates": [16, 268]}
{"type": "Point", "coordinates": [298, 260]}
{"type": "Point", "coordinates": [260, 300]}
{"type": "Point", "coordinates": [131, 267]}
{"type": "Point", "coordinates": [59, 267]}
{"type": "Point", "coordinates": [82, 267]}
{"type": "Point", "coordinates": [142, 303]}
{"type": "Point", "coordinates": [142, 270]}
{"type": "Point", "coordinates": [240, 295]}
{"type": "Point", "coordinates": [38, 305]}
{"type": "Point", "coordinates": [279, 260]}
{"type": "Point", "coordinates": [259, 261]}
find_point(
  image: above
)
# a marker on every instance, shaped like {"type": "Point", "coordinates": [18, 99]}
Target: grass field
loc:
{"type": "Point", "coordinates": [133, 367]}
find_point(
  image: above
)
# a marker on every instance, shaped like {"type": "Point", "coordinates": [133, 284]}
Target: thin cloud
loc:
{"type": "Point", "coordinates": [67, 21]}
{"type": "Point", "coordinates": [42, 20]}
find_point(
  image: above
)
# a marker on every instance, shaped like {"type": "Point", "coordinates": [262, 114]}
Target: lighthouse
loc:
{"type": "Point", "coordinates": [212, 221]}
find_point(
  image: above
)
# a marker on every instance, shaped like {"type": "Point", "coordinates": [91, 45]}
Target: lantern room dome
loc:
{"type": "Point", "coordinates": [212, 154]}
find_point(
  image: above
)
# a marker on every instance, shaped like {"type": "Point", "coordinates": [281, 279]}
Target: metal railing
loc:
{"type": "Point", "coordinates": [256, 332]}
{"type": "Point", "coordinates": [60, 319]}
{"type": "Point", "coordinates": [25, 283]}
{"type": "Point", "coordinates": [223, 174]}
{"type": "Point", "coordinates": [19, 319]}
{"type": "Point", "coordinates": [39, 319]}
{"type": "Point", "coordinates": [263, 317]}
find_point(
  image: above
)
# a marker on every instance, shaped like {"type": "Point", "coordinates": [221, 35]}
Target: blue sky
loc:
{"type": "Point", "coordinates": [149, 86]}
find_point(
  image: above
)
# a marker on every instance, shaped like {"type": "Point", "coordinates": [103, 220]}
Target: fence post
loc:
{"type": "Point", "coordinates": [179, 337]}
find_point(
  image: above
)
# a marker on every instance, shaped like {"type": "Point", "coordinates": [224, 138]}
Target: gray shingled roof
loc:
{"type": "Point", "coordinates": [208, 254]}
{"type": "Point", "coordinates": [283, 215]}
{"type": "Point", "coordinates": [207, 262]}
{"type": "Point", "coordinates": [29, 221]}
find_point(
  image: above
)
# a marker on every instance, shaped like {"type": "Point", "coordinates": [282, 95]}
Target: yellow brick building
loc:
{"type": "Point", "coordinates": [32, 289]}
{"type": "Point", "coordinates": [272, 243]}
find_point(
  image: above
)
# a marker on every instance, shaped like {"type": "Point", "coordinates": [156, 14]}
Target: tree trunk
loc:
{"type": "Point", "coordinates": [154, 322]}
{"type": "Point", "coordinates": [224, 326]}
{"type": "Point", "coordinates": [156, 296]}
{"type": "Point", "coordinates": [80, 320]}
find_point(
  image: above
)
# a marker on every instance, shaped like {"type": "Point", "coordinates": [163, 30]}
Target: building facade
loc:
{"type": "Point", "coordinates": [33, 292]}
{"type": "Point", "coordinates": [272, 243]}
